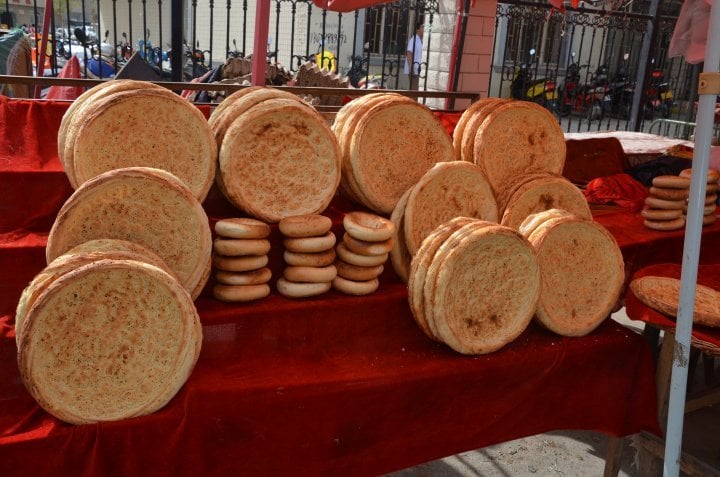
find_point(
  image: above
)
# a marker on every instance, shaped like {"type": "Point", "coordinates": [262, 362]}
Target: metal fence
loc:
{"type": "Point", "coordinates": [368, 44]}
{"type": "Point", "coordinates": [587, 65]}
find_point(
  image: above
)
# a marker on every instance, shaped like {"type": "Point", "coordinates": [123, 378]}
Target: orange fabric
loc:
{"type": "Point", "coordinates": [70, 70]}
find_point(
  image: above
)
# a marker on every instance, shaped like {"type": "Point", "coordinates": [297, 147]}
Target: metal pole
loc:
{"type": "Point", "coordinates": [262, 25]}
{"type": "Point", "coordinates": [691, 249]}
{"type": "Point", "coordinates": [177, 19]}
{"type": "Point", "coordinates": [633, 123]}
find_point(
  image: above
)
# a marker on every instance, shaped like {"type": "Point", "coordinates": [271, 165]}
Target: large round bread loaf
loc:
{"type": "Point", "coordinates": [486, 287]}
{"type": "Point", "coordinates": [463, 122]}
{"type": "Point", "coordinates": [82, 255]}
{"type": "Point", "coordinates": [279, 159]}
{"type": "Point", "coordinates": [219, 110]}
{"type": "Point", "coordinates": [344, 129]}
{"type": "Point", "coordinates": [467, 141]}
{"type": "Point", "coordinates": [392, 146]}
{"type": "Point", "coordinates": [400, 257]}
{"type": "Point", "coordinates": [143, 205]}
{"type": "Point", "coordinates": [146, 128]}
{"type": "Point", "coordinates": [518, 138]}
{"type": "Point", "coordinates": [240, 104]}
{"type": "Point", "coordinates": [74, 118]}
{"type": "Point", "coordinates": [582, 272]}
{"type": "Point", "coordinates": [543, 194]}
{"type": "Point", "coordinates": [448, 190]}
{"type": "Point", "coordinates": [663, 294]}
{"type": "Point", "coordinates": [111, 340]}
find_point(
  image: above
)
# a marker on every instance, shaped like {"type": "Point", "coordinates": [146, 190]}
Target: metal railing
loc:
{"type": "Point", "coordinates": [368, 45]}
{"type": "Point", "coordinates": [584, 65]}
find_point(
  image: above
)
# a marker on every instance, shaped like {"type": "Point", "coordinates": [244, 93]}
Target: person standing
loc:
{"type": "Point", "coordinates": [413, 56]}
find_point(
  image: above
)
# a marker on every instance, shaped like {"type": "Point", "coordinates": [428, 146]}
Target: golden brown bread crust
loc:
{"type": "Point", "coordinates": [399, 255]}
{"type": "Point", "coordinates": [463, 122]}
{"type": "Point", "coordinates": [467, 141]}
{"type": "Point", "coordinates": [143, 205]}
{"type": "Point", "coordinates": [544, 194]}
{"type": "Point", "coordinates": [582, 272]}
{"type": "Point", "coordinates": [110, 320]}
{"type": "Point", "coordinates": [219, 110]}
{"type": "Point", "coordinates": [393, 145]}
{"type": "Point", "coordinates": [518, 138]}
{"type": "Point", "coordinates": [279, 160]}
{"type": "Point", "coordinates": [181, 141]}
{"type": "Point", "coordinates": [663, 294]}
{"type": "Point", "coordinates": [448, 190]}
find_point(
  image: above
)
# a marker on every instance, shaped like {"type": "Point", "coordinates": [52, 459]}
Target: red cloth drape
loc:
{"type": "Point", "coordinates": [332, 385]}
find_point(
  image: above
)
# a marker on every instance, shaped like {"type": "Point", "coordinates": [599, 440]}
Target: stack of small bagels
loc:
{"type": "Point", "coordinates": [309, 255]}
{"type": "Point", "coordinates": [240, 258]}
{"type": "Point", "coordinates": [711, 195]}
{"type": "Point", "coordinates": [364, 249]}
{"type": "Point", "coordinates": [664, 205]}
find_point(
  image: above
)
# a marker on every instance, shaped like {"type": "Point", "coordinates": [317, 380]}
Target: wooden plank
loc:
{"type": "Point", "coordinates": [614, 456]}
{"type": "Point", "coordinates": [690, 465]}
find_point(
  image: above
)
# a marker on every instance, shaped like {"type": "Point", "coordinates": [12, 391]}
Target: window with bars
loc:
{"type": "Point", "coordinates": [387, 28]}
{"type": "Point", "coordinates": [524, 35]}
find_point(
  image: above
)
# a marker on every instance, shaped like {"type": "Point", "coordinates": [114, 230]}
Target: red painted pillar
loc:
{"type": "Point", "coordinates": [262, 25]}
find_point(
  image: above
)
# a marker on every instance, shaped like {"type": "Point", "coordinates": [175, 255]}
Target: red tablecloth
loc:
{"type": "Point", "coordinates": [334, 385]}
{"type": "Point", "coordinates": [708, 275]}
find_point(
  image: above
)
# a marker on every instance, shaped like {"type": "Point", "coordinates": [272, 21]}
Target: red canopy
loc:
{"type": "Point", "coordinates": [347, 5]}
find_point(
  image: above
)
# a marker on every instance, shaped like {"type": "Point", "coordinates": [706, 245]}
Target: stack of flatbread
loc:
{"type": "Point", "coordinates": [106, 332]}
{"type": "Point", "coordinates": [147, 206]}
{"type": "Point", "coordinates": [448, 190]}
{"type": "Point", "coordinates": [582, 271]}
{"type": "Point", "coordinates": [507, 138]}
{"type": "Point", "coordinates": [388, 142]}
{"type": "Point", "coordinates": [278, 157]}
{"type": "Point", "coordinates": [126, 123]}
{"type": "Point", "coordinates": [474, 285]}
{"type": "Point", "coordinates": [531, 193]}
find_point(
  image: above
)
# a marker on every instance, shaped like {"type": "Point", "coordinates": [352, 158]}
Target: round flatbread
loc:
{"type": "Point", "coordinates": [518, 138]}
{"type": "Point", "coordinates": [486, 287]}
{"type": "Point", "coordinates": [125, 338]}
{"type": "Point", "coordinates": [448, 190]}
{"type": "Point", "coordinates": [74, 117]}
{"type": "Point", "coordinates": [143, 205]}
{"type": "Point", "coordinates": [159, 130]}
{"type": "Point", "coordinates": [663, 294]}
{"type": "Point", "coordinates": [582, 272]}
{"type": "Point", "coordinates": [279, 160]}
{"type": "Point", "coordinates": [399, 255]}
{"type": "Point", "coordinates": [544, 194]}
{"type": "Point", "coordinates": [243, 103]}
{"type": "Point", "coordinates": [391, 148]}
{"type": "Point", "coordinates": [463, 122]}
{"type": "Point", "coordinates": [467, 141]}
{"type": "Point", "coordinates": [219, 110]}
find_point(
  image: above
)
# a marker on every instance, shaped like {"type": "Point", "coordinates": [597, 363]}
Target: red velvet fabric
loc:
{"type": "Point", "coordinates": [70, 70]}
{"type": "Point", "coordinates": [617, 189]}
{"type": "Point", "coordinates": [331, 385]}
{"type": "Point", "coordinates": [708, 275]}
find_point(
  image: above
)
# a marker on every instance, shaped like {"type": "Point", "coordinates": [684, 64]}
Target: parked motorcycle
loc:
{"type": "Point", "coordinates": [94, 63]}
{"type": "Point", "coordinates": [620, 92]}
{"type": "Point", "coordinates": [658, 97]}
{"type": "Point", "coordinates": [589, 99]}
{"type": "Point", "coordinates": [538, 90]}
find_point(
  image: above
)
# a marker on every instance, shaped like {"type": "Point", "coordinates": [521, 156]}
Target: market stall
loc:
{"type": "Point", "coordinates": [334, 384]}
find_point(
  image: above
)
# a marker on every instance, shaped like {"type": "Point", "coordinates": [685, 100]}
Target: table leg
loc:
{"type": "Point", "coordinates": [614, 456]}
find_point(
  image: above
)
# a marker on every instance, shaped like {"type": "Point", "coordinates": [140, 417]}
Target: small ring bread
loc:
{"type": "Point", "coordinates": [659, 214]}
{"type": "Point", "coordinates": [712, 176]}
{"type": "Point", "coordinates": [301, 290]}
{"type": "Point", "coordinates": [711, 199]}
{"type": "Point", "coordinates": [242, 228]}
{"type": "Point", "coordinates": [239, 264]}
{"type": "Point", "coordinates": [671, 182]}
{"type": "Point", "coordinates": [253, 277]}
{"type": "Point", "coordinates": [312, 225]}
{"type": "Point", "coordinates": [361, 247]}
{"type": "Point", "coordinates": [665, 224]}
{"type": "Point", "coordinates": [360, 274]}
{"type": "Point", "coordinates": [368, 227]}
{"type": "Point", "coordinates": [655, 203]}
{"type": "Point", "coordinates": [310, 244]}
{"type": "Point", "coordinates": [357, 259]}
{"type": "Point", "coordinates": [707, 210]}
{"type": "Point", "coordinates": [709, 219]}
{"type": "Point", "coordinates": [241, 292]}
{"type": "Point", "coordinates": [712, 188]}
{"type": "Point", "coordinates": [318, 259]}
{"type": "Point", "coordinates": [350, 287]}
{"type": "Point", "coordinates": [240, 247]}
{"type": "Point", "coordinates": [669, 194]}
{"type": "Point", "coordinates": [310, 274]}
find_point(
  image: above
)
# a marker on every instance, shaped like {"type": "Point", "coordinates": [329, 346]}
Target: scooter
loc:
{"type": "Point", "coordinates": [539, 90]}
{"type": "Point", "coordinates": [658, 95]}
{"type": "Point", "coordinates": [589, 99]}
{"type": "Point", "coordinates": [98, 64]}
